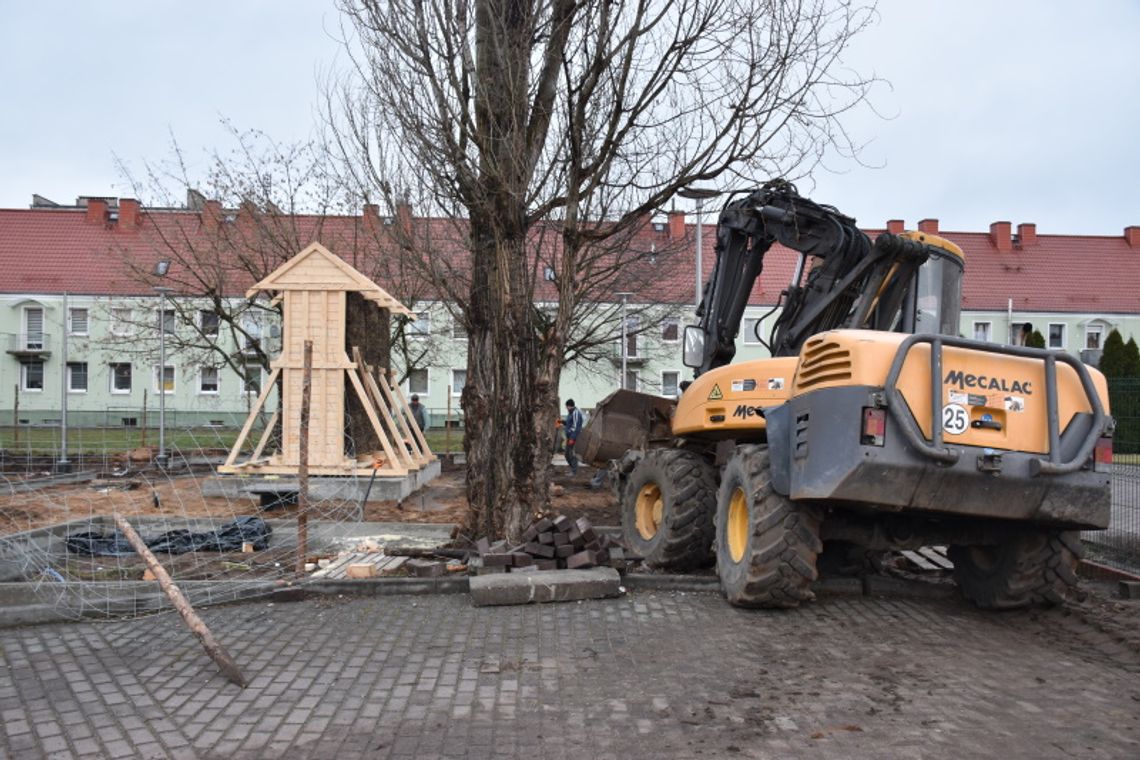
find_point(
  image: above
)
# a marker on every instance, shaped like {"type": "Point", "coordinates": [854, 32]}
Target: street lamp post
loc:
{"type": "Point", "coordinates": [698, 194]}
{"type": "Point", "coordinates": [160, 269]}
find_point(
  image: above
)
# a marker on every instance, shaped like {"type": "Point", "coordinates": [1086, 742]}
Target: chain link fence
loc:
{"type": "Point", "coordinates": [1119, 546]}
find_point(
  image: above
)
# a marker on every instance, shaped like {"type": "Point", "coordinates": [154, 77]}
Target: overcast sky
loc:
{"type": "Point", "coordinates": [1018, 111]}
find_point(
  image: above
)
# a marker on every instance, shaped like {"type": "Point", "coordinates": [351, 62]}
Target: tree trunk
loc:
{"type": "Point", "coordinates": [369, 329]}
{"type": "Point", "coordinates": [506, 477]}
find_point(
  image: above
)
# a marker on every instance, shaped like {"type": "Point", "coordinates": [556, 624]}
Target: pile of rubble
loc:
{"type": "Point", "coordinates": [557, 543]}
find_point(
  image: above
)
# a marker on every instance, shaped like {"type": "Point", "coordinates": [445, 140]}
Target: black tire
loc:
{"type": "Point", "coordinates": [678, 534]}
{"type": "Point", "coordinates": [766, 554]}
{"type": "Point", "coordinates": [1030, 568]}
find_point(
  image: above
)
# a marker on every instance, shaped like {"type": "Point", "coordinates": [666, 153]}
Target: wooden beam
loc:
{"type": "Point", "coordinates": [382, 406]}
{"type": "Point", "coordinates": [252, 416]}
{"type": "Point", "coordinates": [402, 404]}
{"type": "Point", "coordinates": [212, 646]}
{"type": "Point", "coordinates": [384, 442]}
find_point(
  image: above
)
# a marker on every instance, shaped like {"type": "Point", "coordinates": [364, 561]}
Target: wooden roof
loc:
{"type": "Point", "coordinates": [315, 268]}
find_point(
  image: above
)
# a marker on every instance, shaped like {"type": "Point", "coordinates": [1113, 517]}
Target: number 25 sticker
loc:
{"type": "Point", "coordinates": [955, 419]}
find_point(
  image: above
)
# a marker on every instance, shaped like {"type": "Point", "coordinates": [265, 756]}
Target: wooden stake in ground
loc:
{"type": "Point", "coordinates": [303, 459]}
{"type": "Point", "coordinates": [212, 646]}
{"type": "Point", "coordinates": [16, 418]}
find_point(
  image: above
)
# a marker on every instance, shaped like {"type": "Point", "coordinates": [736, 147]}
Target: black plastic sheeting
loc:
{"type": "Point", "coordinates": [227, 538]}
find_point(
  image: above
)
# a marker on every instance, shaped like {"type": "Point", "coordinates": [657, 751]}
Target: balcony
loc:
{"type": "Point", "coordinates": [631, 359]}
{"type": "Point", "coordinates": [33, 345]}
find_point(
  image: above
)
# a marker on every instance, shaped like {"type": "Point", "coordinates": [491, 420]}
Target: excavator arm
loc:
{"type": "Point", "coordinates": [851, 282]}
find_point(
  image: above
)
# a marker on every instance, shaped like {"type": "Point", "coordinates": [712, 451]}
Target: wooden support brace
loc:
{"type": "Point", "coordinates": [401, 405]}
{"type": "Point", "coordinates": [252, 416]}
{"type": "Point", "coordinates": [383, 404]}
{"type": "Point", "coordinates": [394, 463]}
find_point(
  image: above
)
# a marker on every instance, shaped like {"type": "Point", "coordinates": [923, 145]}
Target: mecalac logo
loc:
{"type": "Point", "coordinates": [986, 383]}
{"type": "Point", "coordinates": [744, 411]}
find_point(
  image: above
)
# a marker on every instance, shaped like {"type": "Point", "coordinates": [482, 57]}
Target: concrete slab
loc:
{"type": "Point", "coordinates": [545, 586]}
{"type": "Point", "coordinates": [322, 487]}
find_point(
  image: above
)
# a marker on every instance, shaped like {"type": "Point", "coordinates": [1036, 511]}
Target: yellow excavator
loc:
{"type": "Point", "coordinates": [873, 427]}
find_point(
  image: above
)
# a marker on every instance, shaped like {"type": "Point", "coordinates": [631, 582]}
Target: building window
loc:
{"type": "Point", "coordinates": [632, 380]}
{"type": "Point", "coordinates": [669, 383]}
{"type": "Point", "coordinates": [167, 319]}
{"type": "Point", "coordinates": [418, 381]}
{"type": "Point", "coordinates": [982, 331]}
{"type": "Point", "coordinates": [1019, 333]}
{"type": "Point", "coordinates": [631, 335]}
{"type": "Point", "coordinates": [77, 321]}
{"type": "Point", "coordinates": [251, 338]}
{"type": "Point", "coordinates": [32, 376]}
{"type": "Point", "coordinates": [208, 321]}
{"type": "Point", "coordinates": [671, 330]}
{"type": "Point", "coordinates": [458, 381]}
{"type": "Point", "coordinates": [458, 331]}
{"type": "Point", "coordinates": [33, 338]}
{"type": "Point", "coordinates": [120, 322]}
{"type": "Point", "coordinates": [121, 378]}
{"type": "Point", "coordinates": [208, 380]}
{"type": "Point", "coordinates": [548, 274]}
{"type": "Point", "coordinates": [167, 379]}
{"type": "Point", "coordinates": [750, 334]}
{"type": "Point", "coordinates": [1056, 335]}
{"type": "Point", "coordinates": [77, 377]}
{"type": "Point", "coordinates": [1093, 335]}
{"type": "Point", "coordinates": [251, 379]}
{"type": "Point", "coordinates": [421, 325]}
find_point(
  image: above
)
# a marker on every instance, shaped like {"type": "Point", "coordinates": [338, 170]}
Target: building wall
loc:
{"type": "Point", "coordinates": [441, 349]}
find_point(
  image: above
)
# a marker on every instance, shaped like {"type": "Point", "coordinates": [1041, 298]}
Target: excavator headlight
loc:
{"type": "Point", "coordinates": [874, 426]}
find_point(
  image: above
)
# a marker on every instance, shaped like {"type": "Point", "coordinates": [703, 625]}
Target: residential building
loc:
{"type": "Point", "coordinates": [78, 280]}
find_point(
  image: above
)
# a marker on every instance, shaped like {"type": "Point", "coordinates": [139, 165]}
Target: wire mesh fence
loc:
{"type": "Point", "coordinates": [1119, 546]}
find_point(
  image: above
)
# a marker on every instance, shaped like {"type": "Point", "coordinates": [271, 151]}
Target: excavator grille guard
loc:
{"type": "Point", "coordinates": [937, 450]}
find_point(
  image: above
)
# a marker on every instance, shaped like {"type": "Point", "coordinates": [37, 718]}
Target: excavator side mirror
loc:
{"type": "Point", "coordinates": [693, 354]}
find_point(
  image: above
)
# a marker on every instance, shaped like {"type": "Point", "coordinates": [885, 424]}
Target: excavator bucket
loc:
{"type": "Point", "coordinates": [625, 420]}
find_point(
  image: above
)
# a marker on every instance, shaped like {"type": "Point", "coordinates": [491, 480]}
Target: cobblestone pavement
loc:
{"type": "Point", "coordinates": [651, 675]}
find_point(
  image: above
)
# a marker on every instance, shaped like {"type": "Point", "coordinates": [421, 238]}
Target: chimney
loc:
{"type": "Point", "coordinates": [999, 235]}
{"type": "Point", "coordinates": [1132, 235]}
{"type": "Point", "coordinates": [371, 219]}
{"type": "Point", "coordinates": [929, 226]}
{"type": "Point", "coordinates": [128, 214]}
{"type": "Point", "coordinates": [404, 217]}
{"type": "Point", "coordinates": [1027, 234]}
{"type": "Point", "coordinates": [96, 211]}
{"type": "Point", "coordinates": [896, 226]}
{"type": "Point", "coordinates": [676, 225]}
{"type": "Point", "coordinates": [212, 214]}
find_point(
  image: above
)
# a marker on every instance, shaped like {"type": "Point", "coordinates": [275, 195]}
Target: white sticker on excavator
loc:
{"type": "Point", "coordinates": [955, 419]}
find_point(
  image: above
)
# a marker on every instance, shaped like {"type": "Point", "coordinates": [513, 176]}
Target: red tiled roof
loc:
{"type": "Point", "coordinates": [57, 250]}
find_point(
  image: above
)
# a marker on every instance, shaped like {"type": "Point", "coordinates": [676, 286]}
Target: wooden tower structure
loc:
{"type": "Point", "coordinates": [314, 287]}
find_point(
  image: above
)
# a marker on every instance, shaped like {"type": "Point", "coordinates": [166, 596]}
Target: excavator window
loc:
{"type": "Point", "coordinates": [939, 295]}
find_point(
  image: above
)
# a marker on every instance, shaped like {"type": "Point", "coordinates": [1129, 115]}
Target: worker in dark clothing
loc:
{"type": "Point", "coordinates": [419, 414]}
{"type": "Point", "coordinates": [573, 427]}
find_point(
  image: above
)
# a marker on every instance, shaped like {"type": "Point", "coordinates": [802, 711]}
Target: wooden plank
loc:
{"type": "Point", "coordinates": [918, 559]}
{"type": "Point", "coordinates": [394, 565]}
{"type": "Point", "coordinates": [330, 572]}
{"type": "Point", "coordinates": [265, 436]}
{"type": "Point", "coordinates": [402, 405]}
{"type": "Point", "coordinates": [252, 416]}
{"type": "Point", "coordinates": [406, 459]}
{"type": "Point", "coordinates": [384, 442]}
{"type": "Point", "coordinates": [403, 421]}
{"type": "Point", "coordinates": [937, 555]}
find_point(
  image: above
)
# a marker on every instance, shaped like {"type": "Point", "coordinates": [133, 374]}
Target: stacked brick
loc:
{"type": "Point", "coordinates": [557, 543]}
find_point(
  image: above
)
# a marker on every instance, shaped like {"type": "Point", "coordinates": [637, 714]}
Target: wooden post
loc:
{"type": "Point", "coordinates": [212, 646]}
{"type": "Point", "coordinates": [447, 424]}
{"type": "Point", "coordinates": [303, 459]}
{"type": "Point", "coordinates": [16, 420]}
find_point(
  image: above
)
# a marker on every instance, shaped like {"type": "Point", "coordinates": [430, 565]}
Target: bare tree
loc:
{"type": "Point", "coordinates": [549, 130]}
{"type": "Point", "coordinates": [255, 207]}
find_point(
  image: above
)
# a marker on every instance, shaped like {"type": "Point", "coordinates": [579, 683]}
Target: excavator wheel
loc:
{"type": "Point", "coordinates": [666, 509]}
{"type": "Point", "coordinates": [766, 544]}
{"type": "Point", "coordinates": [1033, 568]}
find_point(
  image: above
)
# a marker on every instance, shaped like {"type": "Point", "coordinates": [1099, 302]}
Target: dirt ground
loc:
{"type": "Point", "coordinates": [441, 501]}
